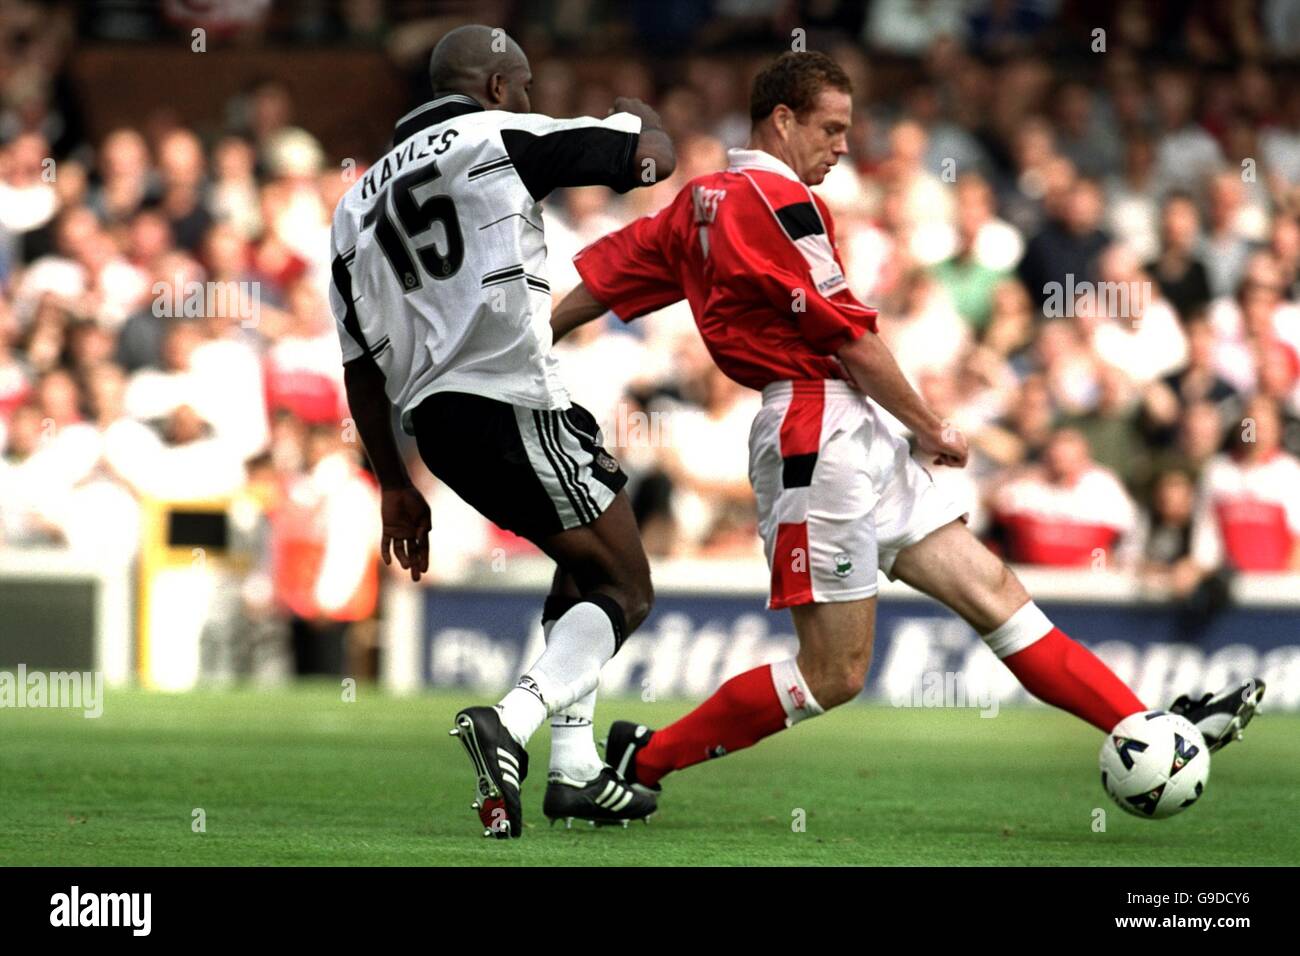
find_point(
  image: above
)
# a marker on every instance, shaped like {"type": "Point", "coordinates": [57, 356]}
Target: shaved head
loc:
{"type": "Point", "coordinates": [484, 63]}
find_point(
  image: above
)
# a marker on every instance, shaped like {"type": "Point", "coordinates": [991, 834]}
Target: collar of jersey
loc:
{"type": "Point", "coordinates": [432, 113]}
{"type": "Point", "coordinates": [738, 159]}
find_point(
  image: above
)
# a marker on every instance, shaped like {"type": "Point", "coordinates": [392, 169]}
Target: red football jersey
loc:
{"type": "Point", "coordinates": [1249, 512]}
{"type": "Point", "coordinates": [753, 252]}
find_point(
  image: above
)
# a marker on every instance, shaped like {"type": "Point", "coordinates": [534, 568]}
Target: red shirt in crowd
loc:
{"type": "Point", "coordinates": [1249, 513]}
{"type": "Point", "coordinates": [1064, 525]}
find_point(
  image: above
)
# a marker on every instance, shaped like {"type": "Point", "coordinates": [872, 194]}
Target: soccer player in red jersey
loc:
{"type": "Point", "coordinates": [752, 249]}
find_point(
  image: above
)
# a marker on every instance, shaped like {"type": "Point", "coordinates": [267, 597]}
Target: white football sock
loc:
{"type": "Point", "coordinates": [522, 711]}
{"type": "Point", "coordinates": [581, 641]}
{"type": "Point", "coordinates": [1029, 625]}
{"type": "Point", "coordinates": [796, 697]}
{"type": "Point", "coordinates": [573, 741]}
{"type": "Point", "coordinates": [573, 748]}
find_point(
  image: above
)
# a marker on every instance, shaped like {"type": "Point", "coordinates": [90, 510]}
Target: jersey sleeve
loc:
{"type": "Point", "coordinates": [343, 306]}
{"type": "Point", "coordinates": [749, 247]}
{"type": "Point", "coordinates": [551, 153]}
{"type": "Point", "coordinates": [630, 271]}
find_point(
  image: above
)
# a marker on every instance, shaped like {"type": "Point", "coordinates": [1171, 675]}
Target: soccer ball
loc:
{"type": "Point", "coordinates": [1155, 764]}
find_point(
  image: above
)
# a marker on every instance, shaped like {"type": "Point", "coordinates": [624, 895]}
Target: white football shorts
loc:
{"type": "Point", "coordinates": [839, 494]}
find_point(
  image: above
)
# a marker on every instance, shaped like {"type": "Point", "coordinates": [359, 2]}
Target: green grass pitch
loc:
{"type": "Point", "coordinates": [299, 777]}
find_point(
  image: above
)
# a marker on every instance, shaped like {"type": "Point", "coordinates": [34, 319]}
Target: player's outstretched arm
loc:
{"type": "Point", "coordinates": [577, 308]}
{"type": "Point", "coordinates": [874, 370]}
{"type": "Point", "coordinates": [403, 510]}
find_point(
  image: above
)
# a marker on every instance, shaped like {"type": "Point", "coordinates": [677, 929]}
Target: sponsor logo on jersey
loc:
{"type": "Point", "coordinates": [706, 202]}
{"type": "Point", "coordinates": [829, 278]}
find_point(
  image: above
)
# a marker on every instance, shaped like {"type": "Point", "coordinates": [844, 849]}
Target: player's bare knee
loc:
{"type": "Point", "coordinates": [837, 681]}
{"type": "Point", "coordinates": [845, 684]}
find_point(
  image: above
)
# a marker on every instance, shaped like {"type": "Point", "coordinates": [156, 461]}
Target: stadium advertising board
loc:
{"type": "Point", "coordinates": [482, 640]}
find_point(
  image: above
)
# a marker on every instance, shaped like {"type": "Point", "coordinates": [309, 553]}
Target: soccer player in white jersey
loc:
{"type": "Point", "coordinates": [441, 297]}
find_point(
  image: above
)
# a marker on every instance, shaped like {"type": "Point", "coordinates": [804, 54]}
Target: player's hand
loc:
{"type": "Point", "coordinates": [630, 104]}
{"type": "Point", "coordinates": [947, 444]}
{"type": "Point", "coordinates": [407, 522]}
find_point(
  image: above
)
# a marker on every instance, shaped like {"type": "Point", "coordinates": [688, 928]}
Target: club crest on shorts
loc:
{"type": "Point", "coordinates": [606, 461]}
{"type": "Point", "coordinates": [843, 565]}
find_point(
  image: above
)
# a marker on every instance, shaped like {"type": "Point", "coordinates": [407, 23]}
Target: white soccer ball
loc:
{"type": "Point", "coordinates": [1155, 764]}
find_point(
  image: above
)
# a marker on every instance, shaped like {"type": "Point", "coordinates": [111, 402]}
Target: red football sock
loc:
{"type": "Point", "coordinates": [1065, 674]}
{"type": "Point", "coordinates": [740, 713]}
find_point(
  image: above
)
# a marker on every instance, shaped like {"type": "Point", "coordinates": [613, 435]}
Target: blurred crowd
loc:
{"type": "Point", "coordinates": [1096, 276]}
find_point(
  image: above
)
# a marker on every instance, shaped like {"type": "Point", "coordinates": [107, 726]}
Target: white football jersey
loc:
{"type": "Point", "coordinates": [439, 254]}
